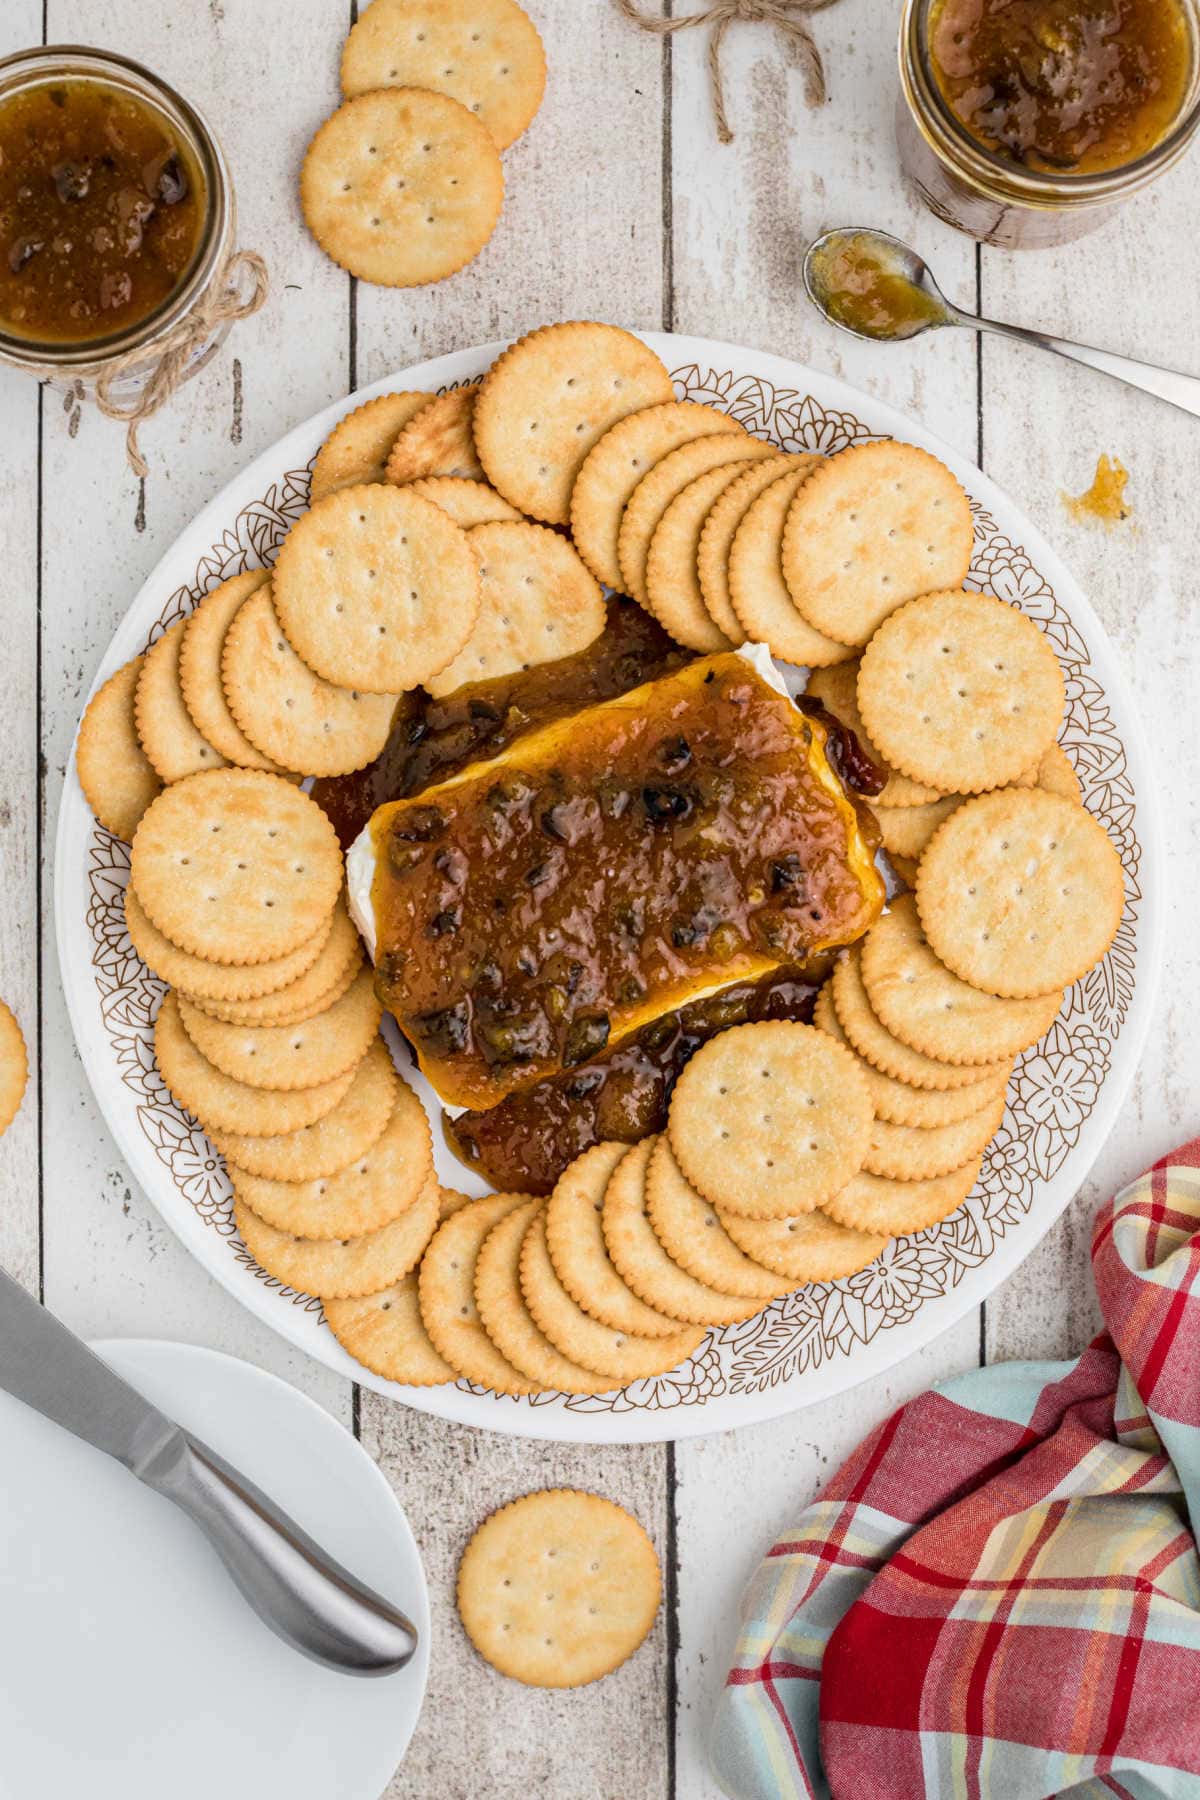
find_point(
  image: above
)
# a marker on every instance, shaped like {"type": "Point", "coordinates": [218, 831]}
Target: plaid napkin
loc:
{"type": "Point", "coordinates": [998, 1595]}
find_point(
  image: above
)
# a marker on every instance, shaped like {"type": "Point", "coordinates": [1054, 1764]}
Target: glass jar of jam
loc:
{"type": "Point", "coordinates": [117, 218]}
{"type": "Point", "coordinates": [1025, 122]}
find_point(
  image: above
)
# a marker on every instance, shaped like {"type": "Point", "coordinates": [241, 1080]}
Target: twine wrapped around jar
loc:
{"type": "Point", "coordinates": [169, 361]}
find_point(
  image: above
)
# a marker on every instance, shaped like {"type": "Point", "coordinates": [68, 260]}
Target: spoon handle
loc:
{"type": "Point", "coordinates": [1166, 384]}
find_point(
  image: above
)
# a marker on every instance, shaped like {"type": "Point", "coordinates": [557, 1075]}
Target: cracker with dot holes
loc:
{"type": "Point", "coordinates": [509, 1322]}
{"type": "Point", "coordinates": [1021, 892]}
{"type": "Point", "coordinates": [117, 777]}
{"type": "Point", "coordinates": [358, 447]}
{"type": "Point", "coordinates": [14, 1066]}
{"type": "Point", "coordinates": [575, 1236]}
{"type": "Point", "coordinates": [438, 440]}
{"type": "Point", "coordinates": [878, 525]}
{"type": "Point", "coordinates": [893, 1208]}
{"type": "Point", "coordinates": [548, 399]}
{"type": "Point", "coordinates": [672, 584]}
{"type": "Point", "coordinates": [376, 589]}
{"type": "Point", "coordinates": [691, 1233]}
{"type": "Point", "coordinates": [876, 1045]}
{"type": "Point", "coordinates": [169, 735]}
{"type": "Point", "coordinates": [342, 1268]}
{"type": "Point", "coordinates": [384, 1332]}
{"type": "Point", "coordinates": [485, 53]}
{"type": "Point", "coordinates": [200, 671]}
{"type": "Point", "coordinates": [283, 1057]}
{"type": "Point", "coordinates": [337, 963]}
{"type": "Point", "coordinates": [661, 484]}
{"type": "Point", "coordinates": [613, 468]}
{"type": "Point", "coordinates": [757, 592]}
{"type": "Point", "coordinates": [468, 502]}
{"type": "Point", "coordinates": [901, 1104]}
{"type": "Point", "coordinates": [306, 723]}
{"type": "Point", "coordinates": [402, 186]}
{"type": "Point", "coordinates": [332, 1142]}
{"type": "Point", "coordinates": [558, 1588]}
{"type": "Point", "coordinates": [220, 1102]}
{"type": "Point", "coordinates": [918, 1153]}
{"type": "Point", "coordinates": [769, 1119]}
{"type": "Point", "coordinates": [719, 531]}
{"type": "Point", "coordinates": [446, 1288]}
{"type": "Point", "coordinates": [810, 1246]}
{"type": "Point", "coordinates": [961, 691]}
{"type": "Point", "coordinates": [236, 865]}
{"type": "Point", "coordinates": [537, 602]}
{"type": "Point", "coordinates": [836, 688]}
{"type": "Point", "coordinates": [223, 983]}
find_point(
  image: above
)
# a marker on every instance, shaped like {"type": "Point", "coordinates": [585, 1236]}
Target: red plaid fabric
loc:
{"type": "Point", "coordinates": [998, 1595]}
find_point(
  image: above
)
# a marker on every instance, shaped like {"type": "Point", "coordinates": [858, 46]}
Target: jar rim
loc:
{"type": "Point", "coordinates": [44, 62]}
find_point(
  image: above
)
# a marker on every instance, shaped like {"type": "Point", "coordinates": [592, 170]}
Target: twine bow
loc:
{"type": "Point", "coordinates": [788, 18]}
{"type": "Point", "coordinates": [173, 359]}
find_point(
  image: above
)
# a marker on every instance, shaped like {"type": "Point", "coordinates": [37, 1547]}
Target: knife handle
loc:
{"type": "Point", "coordinates": [294, 1587]}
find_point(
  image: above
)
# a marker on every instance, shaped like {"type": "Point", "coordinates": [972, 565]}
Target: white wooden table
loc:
{"type": "Point", "coordinates": [621, 205]}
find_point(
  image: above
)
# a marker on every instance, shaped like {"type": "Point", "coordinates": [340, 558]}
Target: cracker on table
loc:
{"type": "Point", "coordinates": [438, 441]}
{"type": "Point", "coordinates": [283, 1057]}
{"type": "Point", "coordinates": [549, 398]}
{"type": "Point", "coordinates": [337, 1268]}
{"type": "Point", "coordinates": [467, 501]}
{"type": "Point", "coordinates": [223, 1104]}
{"type": "Point", "coordinates": [618, 461]}
{"type": "Point", "coordinates": [621, 1356]}
{"type": "Point", "coordinates": [769, 1119]}
{"type": "Point", "coordinates": [306, 723]}
{"type": "Point", "coordinates": [672, 582]}
{"type": "Point", "coordinates": [509, 1322]}
{"type": "Point", "coordinates": [836, 687]}
{"type": "Point", "coordinates": [14, 1066]}
{"type": "Point", "coordinates": [383, 1331]}
{"type": "Point", "coordinates": [485, 53]}
{"type": "Point", "coordinates": [921, 1002]}
{"type": "Point", "coordinates": [661, 484]}
{"type": "Point", "coordinates": [446, 1289]}
{"type": "Point", "coordinates": [358, 447]}
{"type": "Point", "coordinates": [961, 690]}
{"type": "Point", "coordinates": [575, 1236]}
{"type": "Point", "coordinates": [901, 1104]}
{"type": "Point", "coordinates": [640, 1258]}
{"type": "Point", "coordinates": [200, 671]}
{"type": "Point", "coordinates": [336, 965]}
{"type": "Point", "coordinates": [344, 1134]}
{"type": "Point", "coordinates": [169, 735]}
{"type": "Point", "coordinates": [719, 530]}
{"type": "Point", "coordinates": [754, 577]}
{"type": "Point", "coordinates": [117, 777]}
{"type": "Point", "coordinates": [558, 1588]}
{"type": "Point", "coordinates": [402, 186]}
{"type": "Point", "coordinates": [894, 1208]}
{"type": "Point", "coordinates": [376, 589]}
{"type": "Point", "coordinates": [810, 1246]}
{"type": "Point", "coordinates": [876, 1045]}
{"type": "Point", "coordinates": [236, 865]}
{"type": "Point", "coordinates": [877, 525]}
{"type": "Point", "coordinates": [1020, 892]}
{"type": "Point", "coordinates": [918, 1153]}
{"type": "Point", "coordinates": [690, 1231]}
{"type": "Point", "coordinates": [537, 602]}
{"type": "Point", "coordinates": [388, 1178]}
{"type": "Point", "coordinates": [207, 981]}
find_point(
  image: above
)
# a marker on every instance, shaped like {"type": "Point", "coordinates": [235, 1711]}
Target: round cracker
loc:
{"type": "Point", "coordinates": [719, 531]}
{"type": "Point", "coordinates": [961, 691]}
{"type": "Point", "coordinates": [446, 1289]}
{"type": "Point", "coordinates": [549, 398]}
{"type": "Point", "coordinates": [894, 1208]}
{"type": "Point", "coordinates": [672, 582]}
{"type": "Point", "coordinates": [366, 1195]}
{"type": "Point", "coordinates": [466, 501]}
{"type": "Point", "coordinates": [809, 1247]}
{"type": "Point", "coordinates": [438, 440]}
{"type": "Point", "coordinates": [200, 671]}
{"type": "Point", "coordinates": [486, 54]}
{"type": "Point", "coordinates": [14, 1066]}
{"type": "Point", "coordinates": [922, 1003]}
{"type": "Point", "coordinates": [117, 777]}
{"type": "Point", "coordinates": [769, 1119]}
{"type": "Point", "coordinates": [1020, 892]}
{"type": "Point", "coordinates": [342, 1269]}
{"type": "Point", "coordinates": [537, 602]}
{"type": "Point", "coordinates": [754, 575]}
{"type": "Point", "coordinates": [877, 525]}
{"type": "Point", "coordinates": [509, 1322]}
{"type": "Point", "coordinates": [905, 830]}
{"type": "Point", "coordinates": [376, 589]}
{"type": "Point", "coordinates": [664, 483]}
{"type": "Point", "coordinates": [876, 1045]}
{"type": "Point", "coordinates": [169, 735]}
{"type": "Point", "coordinates": [692, 1234]}
{"type": "Point", "coordinates": [383, 1331]}
{"type": "Point", "coordinates": [216, 1100]}
{"type": "Point", "coordinates": [305, 723]}
{"type": "Point", "coordinates": [358, 447]}
{"type": "Point", "coordinates": [895, 1100]}
{"type": "Point", "coordinates": [621, 1356]}
{"type": "Point", "coordinates": [281, 1058]}
{"type": "Point", "coordinates": [402, 186]}
{"type": "Point", "coordinates": [205, 981]}
{"type": "Point", "coordinates": [236, 865]}
{"type": "Point", "coordinates": [643, 1263]}
{"type": "Point", "coordinates": [614, 466]}
{"type": "Point", "coordinates": [336, 965]}
{"type": "Point", "coordinates": [1057, 775]}
{"type": "Point", "coordinates": [558, 1588]}
{"type": "Point", "coordinates": [918, 1153]}
{"type": "Point", "coordinates": [836, 687]}
{"type": "Point", "coordinates": [345, 1133]}
{"type": "Point", "coordinates": [579, 1252]}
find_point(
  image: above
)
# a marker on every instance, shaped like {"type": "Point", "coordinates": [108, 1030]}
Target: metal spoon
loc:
{"type": "Point", "coordinates": [887, 293]}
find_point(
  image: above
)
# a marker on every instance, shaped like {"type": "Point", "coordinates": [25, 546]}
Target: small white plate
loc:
{"type": "Point", "coordinates": [130, 1666]}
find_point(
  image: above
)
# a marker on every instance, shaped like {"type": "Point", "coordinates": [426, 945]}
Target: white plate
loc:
{"type": "Point", "coordinates": [826, 1337]}
{"type": "Point", "coordinates": [130, 1666]}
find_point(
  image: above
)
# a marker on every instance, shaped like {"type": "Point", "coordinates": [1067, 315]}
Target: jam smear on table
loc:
{"type": "Point", "coordinates": [101, 212]}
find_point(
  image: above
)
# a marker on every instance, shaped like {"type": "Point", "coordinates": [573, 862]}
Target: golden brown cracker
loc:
{"type": "Point", "coordinates": [719, 531]}
{"type": "Point", "coordinates": [446, 1289]}
{"type": "Point", "coordinates": [662, 484]}
{"type": "Point", "coordinates": [919, 1153]}
{"type": "Point", "coordinates": [894, 1208]}
{"type": "Point", "coordinates": [342, 1269]}
{"type": "Point", "coordinates": [895, 1100]}
{"type": "Point", "coordinates": [335, 967]}
{"type": "Point", "coordinates": [14, 1066]}
{"type": "Point", "coordinates": [169, 735]}
{"type": "Point", "coordinates": [358, 447]}
{"type": "Point", "coordinates": [216, 1100]}
{"type": "Point", "coordinates": [1056, 774]}
{"type": "Point", "coordinates": [906, 830]}
{"type": "Point", "coordinates": [345, 1133]}
{"type": "Point", "coordinates": [384, 1332]}
{"type": "Point", "coordinates": [200, 671]}
{"type": "Point", "coordinates": [876, 1045]}
{"type": "Point", "coordinates": [754, 576]}
{"type": "Point", "coordinates": [466, 501]}
{"type": "Point", "coordinates": [439, 440]}
{"type": "Point", "coordinates": [579, 1252]}
{"type": "Point", "coordinates": [690, 1231]}
{"type": "Point", "coordinates": [283, 1057]}
{"type": "Point", "coordinates": [117, 777]}
{"type": "Point", "coordinates": [672, 580]}
{"type": "Point", "coordinates": [509, 1322]}
{"type": "Point", "coordinates": [207, 981]}
{"type": "Point", "coordinates": [809, 1247]}
{"type": "Point", "coordinates": [836, 687]}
